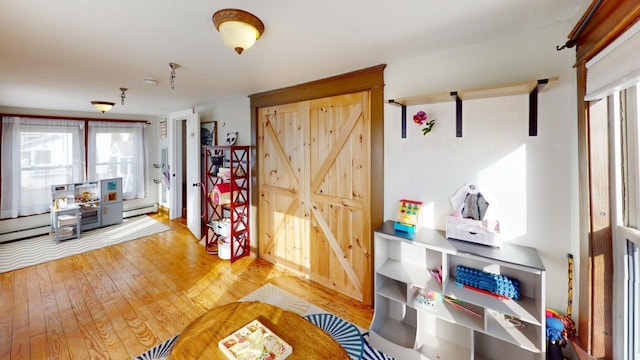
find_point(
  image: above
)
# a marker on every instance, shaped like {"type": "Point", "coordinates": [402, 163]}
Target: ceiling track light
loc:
{"type": "Point", "coordinates": [122, 95]}
{"type": "Point", "coordinates": [238, 29]}
{"type": "Point", "coordinates": [173, 67]}
{"type": "Point", "coordinates": [102, 106]}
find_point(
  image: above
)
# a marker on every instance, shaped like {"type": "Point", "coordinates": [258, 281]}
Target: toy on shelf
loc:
{"type": "Point", "coordinates": [221, 194]}
{"type": "Point", "coordinates": [408, 216]}
{"type": "Point", "coordinates": [457, 304]}
{"type": "Point", "coordinates": [472, 219]}
{"type": "Point", "coordinates": [500, 286]}
{"type": "Point", "coordinates": [428, 298]}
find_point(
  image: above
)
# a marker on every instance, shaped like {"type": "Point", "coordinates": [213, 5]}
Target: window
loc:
{"type": "Point", "coordinates": [621, 110]}
{"type": "Point", "coordinates": [612, 90]}
{"type": "Point", "coordinates": [38, 153]}
{"type": "Point", "coordinates": [632, 315]}
{"type": "Point", "coordinates": [118, 150]}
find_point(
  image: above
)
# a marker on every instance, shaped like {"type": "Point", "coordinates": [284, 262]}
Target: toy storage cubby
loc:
{"type": "Point", "coordinates": [489, 328]}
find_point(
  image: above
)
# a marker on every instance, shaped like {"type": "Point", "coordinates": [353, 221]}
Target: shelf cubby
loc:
{"type": "Point", "coordinates": [406, 329]}
{"type": "Point", "coordinates": [392, 289]}
{"type": "Point", "coordinates": [439, 339]}
{"type": "Point", "coordinates": [449, 313]}
{"type": "Point", "coordinates": [396, 322]}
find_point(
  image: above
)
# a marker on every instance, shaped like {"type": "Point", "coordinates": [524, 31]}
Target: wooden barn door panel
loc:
{"type": "Point", "coordinates": [339, 187]}
{"type": "Point", "coordinates": [314, 190]}
{"type": "Point", "coordinates": [282, 239]}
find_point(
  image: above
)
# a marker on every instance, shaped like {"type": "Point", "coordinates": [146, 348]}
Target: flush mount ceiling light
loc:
{"type": "Point", "coordinates": [239, 29]}
{"type": "Point", "coordinates": [102, 106]}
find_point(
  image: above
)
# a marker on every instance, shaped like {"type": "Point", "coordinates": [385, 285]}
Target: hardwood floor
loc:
{"type": "Point", "coordinates": [117, 302]}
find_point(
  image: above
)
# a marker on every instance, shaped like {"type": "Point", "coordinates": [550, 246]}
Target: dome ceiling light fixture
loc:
{"type": "Point", "coordinates": [102, 106]}
{"type": "Point", "coordinates": [238, 29]}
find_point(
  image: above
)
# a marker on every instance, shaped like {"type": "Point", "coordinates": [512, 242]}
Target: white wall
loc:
{"type": "Point", "coordinates": [532, 180]}
{"type": "Point", "coordinates": [231, 115]}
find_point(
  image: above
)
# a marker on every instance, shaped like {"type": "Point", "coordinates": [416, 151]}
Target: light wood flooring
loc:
{"type": "Point", "coordinates": [117, 302]}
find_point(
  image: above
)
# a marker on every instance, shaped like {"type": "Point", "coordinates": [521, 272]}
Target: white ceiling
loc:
{"type": "Point", "coordinates": [60, 55]}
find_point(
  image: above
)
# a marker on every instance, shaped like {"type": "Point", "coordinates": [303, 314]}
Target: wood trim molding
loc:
{"type": "Point", "coordinates": [585, 304]}
{"type": "Point", "coordinates": [611, 19]}
{"type": "Point", "coordinates": [360, 80]}
{"type": "Point", "coordinates": [595, 321]}
{"type": "Point", "coordinates": [51, 117]}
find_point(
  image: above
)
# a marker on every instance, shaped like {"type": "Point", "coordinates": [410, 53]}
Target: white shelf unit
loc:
{"type": "Point", "coordinates": [65, 223]}
{"type": "Point", "coordinates": [499, 329]}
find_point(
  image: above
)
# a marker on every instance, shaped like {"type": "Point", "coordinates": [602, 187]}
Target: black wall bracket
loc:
{"type": "Point", "coordinates": [404, 117]}
{"type": "Point", "coordinates": [454, 95]}
{"type": "Point", "coordinates": [533, 107]}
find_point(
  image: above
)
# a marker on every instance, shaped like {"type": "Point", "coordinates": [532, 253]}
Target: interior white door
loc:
{"type": "Point", "coordinates": [192, 167]}
{"type": "Point", "coordinates": [193, 175]}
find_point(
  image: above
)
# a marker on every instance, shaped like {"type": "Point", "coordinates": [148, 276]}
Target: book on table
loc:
{"type": "Point", "coordinates": [254, 341]}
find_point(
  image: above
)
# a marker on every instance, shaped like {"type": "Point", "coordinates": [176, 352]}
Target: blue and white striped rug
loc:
{"type": "Point", "coordinates": [38, 250]}
{"type": "Point", "coordinates": [352, 338]}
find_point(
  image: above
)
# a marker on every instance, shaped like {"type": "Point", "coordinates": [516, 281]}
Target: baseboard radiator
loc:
{"type": "Point", "coordinates": [140, 211]}
{"type": "Point", "coordinates": [43, 229]}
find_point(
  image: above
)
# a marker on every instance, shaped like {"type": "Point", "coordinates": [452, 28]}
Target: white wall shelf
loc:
{"type": "Point", "coordinates": [494, 329]}
{"type": "Point", "coordinates": [531, 87]}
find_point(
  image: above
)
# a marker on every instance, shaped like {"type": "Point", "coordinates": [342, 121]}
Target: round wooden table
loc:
{"type": "Point", "coordinates": [200, 338]}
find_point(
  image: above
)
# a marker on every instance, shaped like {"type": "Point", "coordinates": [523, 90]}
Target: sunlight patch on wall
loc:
{"type": "Point", "coordinates": [506, 183]}
{"type": "Point", "coordinates": [428, 215]}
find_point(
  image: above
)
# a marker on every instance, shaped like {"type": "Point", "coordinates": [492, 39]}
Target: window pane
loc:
{"type": "Point", "coordinates": [623, 114]}
{"type": "Point", "coordinates": [49, 153]}
{"type": "Point", "coordinates": [46, 160]}
{"type": "Point", "coordinates": [114, 155]}
{"type": "Point", "coordinates": [118, 150]}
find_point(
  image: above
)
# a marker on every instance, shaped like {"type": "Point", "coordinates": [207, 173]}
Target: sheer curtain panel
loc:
{"type": "Point", "coordinates": [118, 149]}
{"type": "Point", "coordinates": [37, 154]}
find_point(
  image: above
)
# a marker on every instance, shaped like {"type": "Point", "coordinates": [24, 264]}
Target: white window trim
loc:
{"type": "Point", "coordinates": [622, 233]}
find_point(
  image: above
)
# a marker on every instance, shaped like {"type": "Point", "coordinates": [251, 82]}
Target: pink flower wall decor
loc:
{"type": "Point", "coordinates": [421, 118]}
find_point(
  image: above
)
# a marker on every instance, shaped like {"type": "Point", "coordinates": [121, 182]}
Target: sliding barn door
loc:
{"type": "Point", "coordinates": [314, 188]}
{"type": "Point", "coordinates": [282, 217]}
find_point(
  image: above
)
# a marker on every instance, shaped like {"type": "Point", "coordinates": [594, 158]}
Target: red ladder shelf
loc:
{"type": "Point", "coordinates": [226, 199]}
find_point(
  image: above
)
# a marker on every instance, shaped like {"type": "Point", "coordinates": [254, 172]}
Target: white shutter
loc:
{"type": "Point", "coordinates": [616, 67]}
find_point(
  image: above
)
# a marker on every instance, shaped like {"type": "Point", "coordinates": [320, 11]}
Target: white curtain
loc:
{"type": "Point", "coordinates": [37, 154]}
{"type": "Point", "coordinates": [118, 149]}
